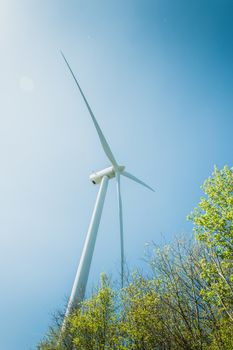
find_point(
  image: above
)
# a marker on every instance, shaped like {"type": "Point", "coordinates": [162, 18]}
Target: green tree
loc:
{"type": "Point", "coordinates": [141, 325]}
{"type": "Point", "coordinates": [213, 226]}
{"type": "Point", "coordinates": [186, 317]}
{"type": "Point", "coordinates": [93, 326]}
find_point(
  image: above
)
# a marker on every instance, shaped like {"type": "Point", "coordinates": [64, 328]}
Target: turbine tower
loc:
{"type": "Point", "coordinates": [101, 177]}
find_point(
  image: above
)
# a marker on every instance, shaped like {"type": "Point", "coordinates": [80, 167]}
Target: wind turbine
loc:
{"type": "Point", "coordinates": [101, 177]}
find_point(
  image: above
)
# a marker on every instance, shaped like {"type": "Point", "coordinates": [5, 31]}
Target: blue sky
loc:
{"type": "Point", "coordinates": [158, 76]}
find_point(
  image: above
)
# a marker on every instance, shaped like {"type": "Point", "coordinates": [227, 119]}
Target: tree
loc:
{"type": "Point", "coordinates": [93, 326]}
{"type": "Point", "coordinates": [140, 322]}
{"type": "Point", "coordinates": [213, 226]}
{"type": "Point", "coordinates": [186, 317]}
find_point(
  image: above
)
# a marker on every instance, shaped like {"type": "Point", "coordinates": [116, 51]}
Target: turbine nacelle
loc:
{"type": "Point", "coordinates": [110, 172]}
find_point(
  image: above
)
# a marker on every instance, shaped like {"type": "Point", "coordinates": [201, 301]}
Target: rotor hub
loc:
{"type": "Point", "coordinates": [110, 172]}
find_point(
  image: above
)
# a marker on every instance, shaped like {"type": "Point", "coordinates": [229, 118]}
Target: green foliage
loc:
{"type": "Point", "coordinates": [185, 304]}
{"type": "Point", "coordinates": [93, 326]}
{"type": "Point", "coordinates": [223, 335]}
{"type": "Point", "coordinates": [213, 220]}
{"type": "Point", "coordinates": [140, 323]}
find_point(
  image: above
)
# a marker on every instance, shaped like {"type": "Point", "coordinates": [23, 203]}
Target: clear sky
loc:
{"type": "Point", "coordinates": [159, 77]}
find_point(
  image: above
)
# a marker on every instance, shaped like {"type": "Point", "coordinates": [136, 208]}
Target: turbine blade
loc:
{"type": "Point", "coordinates": [121, 227]}
{"type": "Point", "coordinates": [103, 141]}
{"type": "Point", "coordinates": [132, 177]}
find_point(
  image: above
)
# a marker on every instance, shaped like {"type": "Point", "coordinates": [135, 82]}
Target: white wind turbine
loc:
{"type": "Point", "coordinates": [100, 177]}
